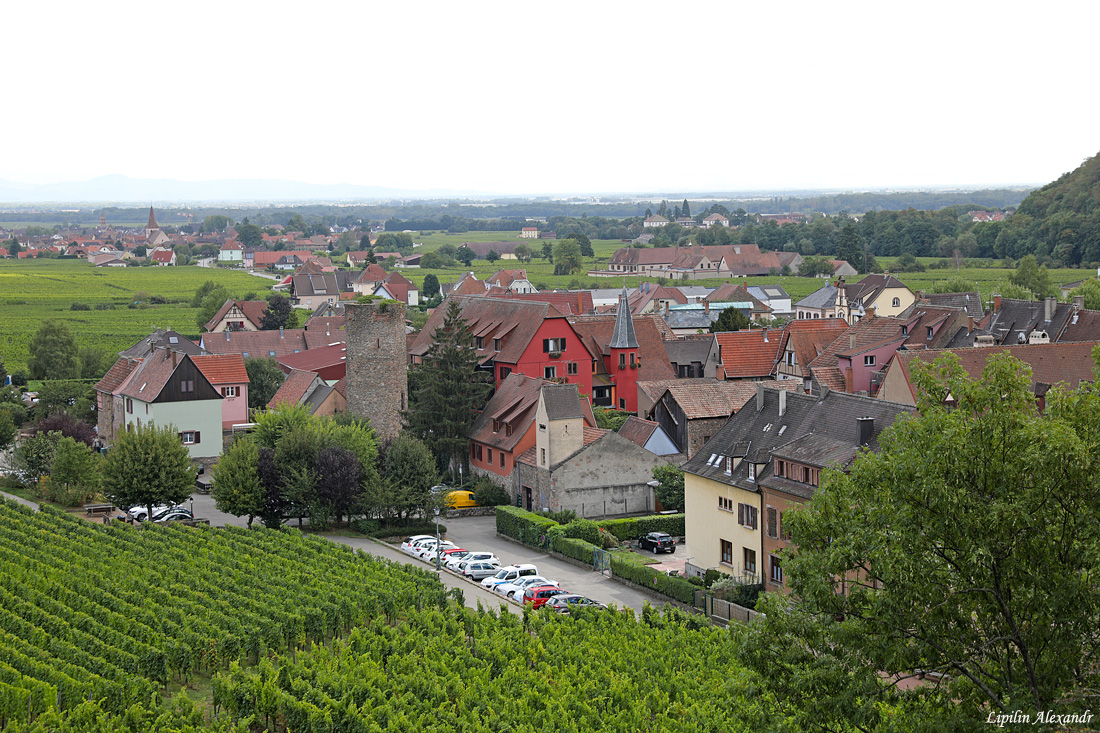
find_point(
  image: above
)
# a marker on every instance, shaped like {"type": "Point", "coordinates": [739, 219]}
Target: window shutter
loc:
{"type": "Point", "coordinates": [773, 522]}
{"type": "Point", "coordinates": [546, 346]}
{"type": "Point", "coordinates": [197, 436]}
{"type": "Point", "coordinates": [752, 516]}
{"type": "Point", "coordinates": [740, 514]}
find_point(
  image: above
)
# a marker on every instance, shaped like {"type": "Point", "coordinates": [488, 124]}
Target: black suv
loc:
{"type": "Point", "coordinates": [657, 541]}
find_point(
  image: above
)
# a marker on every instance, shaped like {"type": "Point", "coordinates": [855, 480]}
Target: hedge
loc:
{"type": "Point", "coordinates": [370, 528]}
{"type": "Point", "coordinates": [632, 528]}
{"type": "Point", "coordinates": [522, 525]}
{"type": "Point", "coordinates": [574, 548]}
{"type": "Point", "coordinates": [672, 586]}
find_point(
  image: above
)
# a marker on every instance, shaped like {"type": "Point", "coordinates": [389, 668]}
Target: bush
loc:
{"type": "Point", "coordinates": [522, 525]}
{"type": "Point", "coordinates": [574, 548]}
{"type": "Point", "coordinates": [488, 492]}
{"type": "Point", "coordinates": [672, 586]}
{"type": "Point", "coordinates": [728, 589]}
{"type": "Point", "coordinates": [373, 528]}
{"type": "Point", "coordinates": [584, 529]}
{"type": "Point", "coordinates": [80, 307]}
{"type": "Point", "coordinates": [632, 528]}
{"type": "Point", "coordinates": [565, 516]}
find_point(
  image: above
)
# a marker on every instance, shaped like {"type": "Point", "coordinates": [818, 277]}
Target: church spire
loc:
{"type": "Point", "coordinates": [152, 220]}
{"type": "Point", "coordinates": [623, 337]}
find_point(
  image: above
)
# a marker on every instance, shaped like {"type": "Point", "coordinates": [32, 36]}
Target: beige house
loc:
{"type": "Point", "coordinates": [885, 294]}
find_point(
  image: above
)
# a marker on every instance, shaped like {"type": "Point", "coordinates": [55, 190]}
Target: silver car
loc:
{"type": "Point", "coordinates": [480, 569]}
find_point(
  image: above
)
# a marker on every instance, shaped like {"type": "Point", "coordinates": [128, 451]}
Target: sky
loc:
{"type": "Point", "coordinates": [552, 97]}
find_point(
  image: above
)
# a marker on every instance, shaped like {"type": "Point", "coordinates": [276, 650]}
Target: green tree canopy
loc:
{"type": "Point", "coordinates": [215, 223]}
{"type": "Point", "coordinates": [237, 489]}
{"type": "Point", "coordinates": [447, 390]}
{"type": "Point", "coordinates": [53, 352]}
{"type": "Point", "coordinates": [567, 257]}
{"type": "Point", "coordinates": [264, 379]}
{"type": "Point", "coordinates": [670, 486]}
{"type": "Point", "coordinates": [148, 466]}
{"type": "Point", "coordinates": [249, 235]}
{"type": "Point", "coordinates": [465, 255]}
{"type": "Point", "coordinates": [1090, 289]}
{"type": "Point", "coordinates": [522, 252]}
{"type": "Point", "coordinates": [935, 557]}
{"type": "Point", "coordinates": [731, 319]}
{"type": "Point", "coordinates": [492, 256]}
{"type": "Point", "coordinates": [1031, 276]}
{"type": "Point", "coordinates": [411, 470]}
{"type": "Point", "coordinates": [277, 313]}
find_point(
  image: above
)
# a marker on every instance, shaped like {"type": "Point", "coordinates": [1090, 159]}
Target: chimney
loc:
{"type": "Point", "coordinates": [1078, 302]}
{"type": "Point", "coordinates": [173, 353]}
{"type": "Point", "coordinates": [848, 382]}
{"type": "Point", "coordinates": [765, 334]}
{"type": "Point", "coordinates": [580, 302]}
{"type": "Point", "coordinates": [759, 396]}
{"type": "Point", "coordinates": [782, 402]}
{"type": "Point", "coordinates": [851, 340]}
{"type": "Point", "coordinates": [1049, 307]}
{"type": "Point", "coordinates": [706, 307]}
{"type": "Point", "coordinates": [870, 313]}
{"type": "Point", "coordinates": [969, 323]}
{"type": "Point", "coordinates": [866, 429]}
{"type": "Point", "coordinates": [996, 303]}
{"type": "Point", "coordinates": [666, 309]}
{"type": "Point", "coordinates": [227, 334]}
{"type": "Point", "coordinates": [280, 333]}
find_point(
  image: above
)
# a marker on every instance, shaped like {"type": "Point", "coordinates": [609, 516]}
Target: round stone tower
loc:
{"type": "Point", "coordinates": [377, 364]}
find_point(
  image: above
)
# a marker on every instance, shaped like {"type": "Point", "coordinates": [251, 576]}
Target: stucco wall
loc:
{"type": "Point", "coordinates": [204, 416]}
{"type": "Point", "coordinates": [706, 524]}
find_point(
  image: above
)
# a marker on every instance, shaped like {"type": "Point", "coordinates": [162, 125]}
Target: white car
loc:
{"type": "Point", "coordinates": [454, 562]}
{"type": "Point", "coordinates": [509, 573]}
{"type": "Point", "coordinates": [515, 588]}
{"type": "Point", "coordinates": [415, 546]}
{"type": "Point", "coordinates": [406, 546]}
{"type": "Point", "coordinates": [427, 550]}
{"type": "Point", "coordinates": [141, 513]}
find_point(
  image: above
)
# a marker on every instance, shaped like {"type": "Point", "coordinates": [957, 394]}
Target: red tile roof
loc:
{"type": "Point", "coordinates": [721, 399]}
{"type": "Point", "coordinates": [256, 343]}
{"type": "Point", "coordinates": [745, 354]}
{"type": "Point", "coordinates": [314, 359]}
{"type": "Point", "coordinates": [294, 388]}
{"type": "Point", "coordinates": [253, 310]}
{"type": "Point", "coordinates": [222, 368]}
{"type": "Point", "coordinates": [574, 303]}
{"type": "Point", "coordinates": [116, 375]}
{"type": "Point", "coordinates": [637, 430]}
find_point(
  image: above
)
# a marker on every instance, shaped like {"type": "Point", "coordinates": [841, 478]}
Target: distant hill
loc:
{"type": "Point", "coordinates": [1060, 222]}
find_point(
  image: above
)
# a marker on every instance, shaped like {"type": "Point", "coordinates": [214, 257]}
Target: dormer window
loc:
{"type": "Point", "coordinates": [896, 302]}
{"type": "Point", "coordinates": [496, 344]}
{"type": "Point", "coordinates": [752, 472]}
{"type": "Point", "coordinates": [479, 342]}
{"type": "Point", "coordinates": [929, 330]}
{"type": "Point", "coordinates": [496, 426]}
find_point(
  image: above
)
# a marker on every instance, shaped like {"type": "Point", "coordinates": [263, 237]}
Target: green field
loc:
{"type": "Point", "coordinates": [33, 291]}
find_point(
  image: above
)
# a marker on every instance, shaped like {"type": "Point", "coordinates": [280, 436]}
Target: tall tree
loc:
{"type": "Point", "coordinates": [447, 390]}
{"type": "Point", "coordinates": [54, 353]}
{"type": "Point", "coordinates": [548, 251]}
{"type": "Point", "coordinates": [731, 319]}
{"type": "Point", "coordinates": [465, 255]}
{"type": "Point", "coordinates": [14, 248]}
{"type": "Point", "coordinates": [339, 479]}
{"type": "Point", "coordinates": [276, 314]}
{"type": "Point", "coordinates": [430, 288]}
{"type": "Point", "coordinates": [670, 486]}
{"type": "Point", "coordinates": [492, 256]}
{"type": "Point", "coordinates": [264, 379]}
{"type": "Point", "coordinates": [934, 557]}
{"type": "Point", "coordinates": [850, 247]}
{"type": "Point", "coordinates": [585, 243]}
{"type": "Point", "coordinates": [685, 210]}
{"type": "Point", "coordinates": [522, 252]}
{"type": "Point", "coordinates": [567, 257]}
{"type": "Point", "coordinates": [148, 466]}
{"type": "Point", "coordinates": [1031, 276]}
{"type": "Point", "coordinates": [249, 235]}
{"type": "Point", "coordinates": [412, 471]}
{"type": "Point", "coordinates": [237, 489]}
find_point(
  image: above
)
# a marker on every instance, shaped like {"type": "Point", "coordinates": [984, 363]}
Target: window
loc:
{"type": "Point", "coordinates": [727, 551]}
{"type": "Point", "coordinates": [773, 522]}
{"type": "Point", "coordinates": [129, 405]}
{"type": "Point", "coordinates": [187, 385]}
{"type": "Point", "coordinates": [725, 504]}
{"type": "Point", "coordinates": [271, 353]}
{"type": "Point", "coordinates": [752, 472]}
{"type": "Point", "coordinates": [479, 342]}
{"type": "Point", "coordinates": [750, 560]}
{"type": "Point", "coordinates": [780, 468]}
{"type": "Point", "coordinates": [245, 355]}
{"type": "Point", "coordinates": [747, 515]}
{"type": "Point", "coordinates": [479, 452]}
{"type": "Point", "coordinates": [896, 302]}
{"type": "Point", "coordinates": [231, 391]}
{"type": "Point", "coordinates": [929, 332]}
{"type": "Point", "coordinates": [490, 456]}
{"type": "Point", "coordinates": [622, 360]}
{"type": "Point", "coordinates": [543, 456]}
{"type": "Point", "coordinates": [553, 345]}
{"type": "Point", "coordinates": [502, 459]}
{"type": "Point", "coordinates": [869, 360]}
{"type": "Point", "coordinates": [504, 372]}
{"type": "Point", "coordinates": [632, 357]}
{"type": "Point", "coordinates": [508, 428]}
{"type": "Point", "coordinates": [549, 372]}
{"type": "Point", "coordinates": [789, 358]}
{"type": "Point", "coordinates": [571, 368]}
{"type": "Point", "coordinates": [496, 426]}
{"type": "Point", "coordinates": [190, 437]}
{"type": "Point", "coordinates": [777, 570]}
{"type": "Point", "coordinates": [594, 367]}
{"type": "Point", "coordinates": [783, 533]}
{"type": "Point", "coordinates": [496, 344]}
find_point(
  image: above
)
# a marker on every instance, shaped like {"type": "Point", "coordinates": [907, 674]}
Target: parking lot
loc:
{"type": "Point", "coordinates": [479, 533]}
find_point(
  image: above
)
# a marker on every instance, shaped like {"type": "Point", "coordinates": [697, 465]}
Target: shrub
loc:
{"type": "Point", "coordinates": [565, 516]}
{"type": "Point", "coordinates": [574, 548]}
{"type": "Point", "coordinates": [522, 525]}
{"type": "Point", "coordinates": [672, 586]}
{"type": "Point", "coordinates": [584, 529]}
{"type": "Point", "coordinates": [488, 492]}
{"type": "Point", "coordinates": [373, 528]}
{"type": "Point", "coordinates": [632, 528]}
{"type": "Point", "coordinates": [80, 307]}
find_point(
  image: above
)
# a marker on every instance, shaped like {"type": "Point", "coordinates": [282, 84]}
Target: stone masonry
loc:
{"type": "Point", "coordinates": [377, 364]}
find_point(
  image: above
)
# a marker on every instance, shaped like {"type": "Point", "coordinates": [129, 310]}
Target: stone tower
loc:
{"type": "Point", "coordinates": [377, 364]}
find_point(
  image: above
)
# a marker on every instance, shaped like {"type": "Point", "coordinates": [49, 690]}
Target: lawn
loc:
{"type": "Point", "coordinates": [32, 291]}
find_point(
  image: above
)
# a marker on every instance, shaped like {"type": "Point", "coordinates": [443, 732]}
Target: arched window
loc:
{"type": "Point", "coordinates": [897, 302]}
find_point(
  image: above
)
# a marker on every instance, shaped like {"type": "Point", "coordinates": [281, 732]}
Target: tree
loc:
{"type": "Point", "coordinates": [14, 248]}
{"type": "Point", "coordinates": [264, 379]}
{"type": "Point", "coordinates": [249, 235]}
{"type": "Point", "coordinates": [237, 489]}
{"type": "Point", "coordinates": [339, 475]}
{"type": "Point", "coordinates": [850, 247]}
{"type": "Point", "coordinates": [3, 373]}
{"type": "Point", "coordinates": [1031, 276]}
{"type": "Point", "coordinates": [567, 257]}
{"type": "Point", "coordinates": [670, 486]}
{"type": "Point", "coordinates": [277, 313]}
{"type": "Point", "coordinates": [955, 285]}
{"type": "Point", "coordinates": [492, 256]}
{"type": "Point", "coordinates": [272, 426]}
{"type": "Point", "coordinates": [74, 472]}
{"type": "Point", "coordinates": [522, 252]}
{"type": "Point", "coordinates": [34, 456]}
{"type": "Point", "coordinates": [296, 223]}
{"type": "Point", "coordinates": [731, 319]}
{"type": "Point", "coordinates": [148, 466]}
{"type": "Point", "coordinates": [430, 287]}
{"type": "Point", "coordinates": [8, 428]}
{"type": "Point", "coordinates": [814, 266]}
{"type": "Point", "coordinates": [215, 223]}
{"type": "Point", "coordinates": [94, 362]}
{"type": "Point", "coordinates": [447, 390]}
{"type": "Point", "coordinates": [1090, 289]}
{"type": "Point", "coordinates": [411, 469]}
{"type": "Point", "coordinates": [548, 252]}
{"type": "Point", "coordinates": [585, 243]}
{"type": "Point", "coordinates": [685, 210]}
{"type": "Point", "coordinates": [465, 255]}
{"type": "Point", "coordinates": [211, 304]}
{"type": "Point", "coordinates": [275, 499]}
{"type": "Point", "coordinates": [53, 352]}
{"type": "Point", "coordinates": [934, 557]}
{"type": "Point", "coordinates": [67, 425]}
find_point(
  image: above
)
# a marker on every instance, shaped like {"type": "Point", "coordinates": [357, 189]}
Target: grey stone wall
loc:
{"type": "Point", "coordinates": [377, 364]}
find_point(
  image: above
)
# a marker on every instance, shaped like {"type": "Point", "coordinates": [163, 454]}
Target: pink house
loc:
{"type": "Point", "coordinates": [227, 374]}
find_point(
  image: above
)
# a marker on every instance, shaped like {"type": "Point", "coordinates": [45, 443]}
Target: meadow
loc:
{"type": "Point", "coordinates": [32, 291]}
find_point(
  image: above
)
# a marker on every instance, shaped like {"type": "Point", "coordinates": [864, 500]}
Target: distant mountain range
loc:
{"type": "Point", "coordinates": [124, 190]}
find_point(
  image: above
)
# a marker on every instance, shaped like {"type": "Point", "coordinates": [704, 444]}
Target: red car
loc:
{"type": "Point", "coordinates": [538, 595]}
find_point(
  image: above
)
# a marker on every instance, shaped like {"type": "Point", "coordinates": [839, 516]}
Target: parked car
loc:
{"type": "Point", "coordinates": [174, 514]}
{"type": "Point", "coordinates": [444, 547]}
{"type": "Point", "coordinates": [657, 541]}
{"type": "Point", "coordinates": [565, 602]}
{"type": "Point", "coordinates": [509, 573]}
{"type": "Point", "coordinates": [407, 545]}
{"type": "Point", "coordinates": [415, 547]}
{"type": "Point", "coordinates": [454, 561]}
{"type": "Point", "coordinates": [514, 589]}
{"type": "Point", "coordinates": [460, 499]}
{"type": "Point", "coordinates": [141, 513]}
{"type": "Point", "coordinates": [480, 569]}
{"type": "Point", "coordinates": [538, 595]}
{"type": "Point", "coordinates": [427, 548]}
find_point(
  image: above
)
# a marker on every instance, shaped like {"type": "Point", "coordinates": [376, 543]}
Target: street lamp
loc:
{"type": "Point", "coordinates": [437, 539]}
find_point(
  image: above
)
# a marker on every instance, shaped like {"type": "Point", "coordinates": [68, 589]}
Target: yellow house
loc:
{"type": "Point", "coordinates": [887, 295]}
{"type": "Point", "coordinates": [722, 521]}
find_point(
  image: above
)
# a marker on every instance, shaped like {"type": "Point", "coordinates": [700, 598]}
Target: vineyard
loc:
{"type": "Point", "coordinates": [32, 291]}
{"type": "Point", "coordinates": [300, 634]}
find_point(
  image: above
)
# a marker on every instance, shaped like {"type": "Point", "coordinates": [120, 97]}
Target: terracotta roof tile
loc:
{"type": "Point", "coordinates": [746, 354]}
{"type": "Point", "coordinates": [116, 375]}
{"type": "Point", "coordinates": [256, 343]}
{"type": "Point", "coordinates": [222, 368]}
{"type": "Point", "coordinates": [596, 331]}
{"type": "Point", "coordinates": [294, 388]}
{"type": "Point", "coordinates": [637, 430]}
{"type": "Point", "coordinates": [721, 399]}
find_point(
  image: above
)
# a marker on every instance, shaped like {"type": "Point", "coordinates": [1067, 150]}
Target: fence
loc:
{"type": "Point", "coordinates": [719, 609]}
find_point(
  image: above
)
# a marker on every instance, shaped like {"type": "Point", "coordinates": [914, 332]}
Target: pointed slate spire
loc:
{"type": "Point", "coordinates": [623, 336]}
{"type": "Point", "coordinates": [152, 220]}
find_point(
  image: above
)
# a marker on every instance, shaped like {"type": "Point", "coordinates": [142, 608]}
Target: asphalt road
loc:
{"type": "Point", "coordinates": [479, 533]}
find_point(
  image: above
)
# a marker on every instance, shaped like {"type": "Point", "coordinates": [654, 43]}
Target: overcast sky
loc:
{"type": "Point", "coordinates": [525, 97]}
